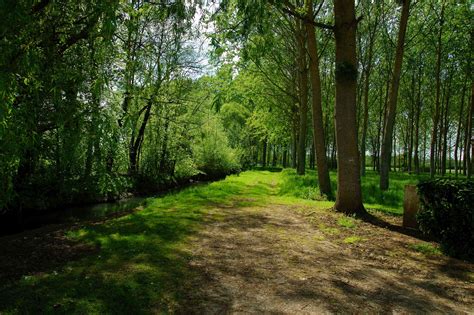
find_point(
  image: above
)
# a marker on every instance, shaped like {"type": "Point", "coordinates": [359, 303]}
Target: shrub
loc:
{"type": "Point", "coordinates": [447, 214]}
{"type": "Point", "coordinates": [213, 155]}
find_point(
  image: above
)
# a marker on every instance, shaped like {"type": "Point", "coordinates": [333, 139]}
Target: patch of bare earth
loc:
{"type": "Point", "coordinates": [287, 260]}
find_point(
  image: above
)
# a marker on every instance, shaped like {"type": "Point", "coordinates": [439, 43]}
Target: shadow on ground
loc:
{"type": "Point", "coordinates": [226, 247]}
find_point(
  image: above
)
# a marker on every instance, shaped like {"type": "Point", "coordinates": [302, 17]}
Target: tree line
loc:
{"type": "Point", "coordinates": [389, 84]}
{"type": "Point", "coordinates": [103, 98]}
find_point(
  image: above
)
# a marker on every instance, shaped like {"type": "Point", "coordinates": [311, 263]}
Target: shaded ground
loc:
{"type": "Point", "coordinates": [271, 260]}
{"type": "Point", "coordinates": [235, 246]}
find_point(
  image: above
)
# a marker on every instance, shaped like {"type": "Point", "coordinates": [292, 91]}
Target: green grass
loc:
{"type": "Point", "coordinates": [426, 248]}
{"type": "Point", "coordinates": [390, 201]}
{"type": "Point", "coordinates": [140, 265]}
{"type": "Point", "coordinates": [353, 240]}
{"type": "Point", "coordinates": [346, 222]}
{"type": "Point", "coordinates": [141, 262]}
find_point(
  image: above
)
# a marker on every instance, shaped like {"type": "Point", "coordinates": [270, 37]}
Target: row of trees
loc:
{"type": "Point", "coordinates": [398, 72]}
{"type": "Point", "coordinates": [105, 97]}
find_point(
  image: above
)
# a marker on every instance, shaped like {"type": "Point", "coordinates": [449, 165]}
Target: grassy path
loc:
{"type": "Point", "coordinates": [236, 246]}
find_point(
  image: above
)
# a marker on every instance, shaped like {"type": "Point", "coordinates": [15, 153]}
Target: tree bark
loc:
{"type": "Point", "coordinates": [459, 131]}
{"type": "Point", "coordinates": [294, 144]}
{"type": "Point", "coordinates": [318, 126]}
{"type": "Point", "coordinates": [469, 137]}
{"type": "Point", "coordinates": [434, 134]}
{"type": "Point", "coordinates": [392, 105]}
{"type": "Point", "coordinates": [303, 96]}
{"type": "Point", "coordinates": [444, 136]}
{"type": "Point", "coordinates": [135, 143]}
{"type": "Point", "coordinates": [264, 153]}
{"type": "Point", "coordinates": [349, 194]}
{"type": "Point", "coordinates": [365, 122]}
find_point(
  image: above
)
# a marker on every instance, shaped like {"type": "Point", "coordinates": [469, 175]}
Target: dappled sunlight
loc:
{"type": "Point", "coordinates": [186, 251]}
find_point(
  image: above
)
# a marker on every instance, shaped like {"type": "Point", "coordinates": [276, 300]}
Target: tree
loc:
{"type": "Point", "coordinates": [392, 104]}
{"type": "Point", "coordinates": [349, 194]}
{"type": "Point", "coordinates": [434, 133]}
{"type": "Point", "coordinates": [318, 127]}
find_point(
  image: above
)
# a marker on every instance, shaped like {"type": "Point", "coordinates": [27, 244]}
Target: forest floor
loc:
{"type": "Point", "coordinates": [241, 245]}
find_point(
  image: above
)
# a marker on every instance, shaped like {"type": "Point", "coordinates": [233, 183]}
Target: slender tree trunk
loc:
{"type": "Point", "coordinates": [412, 120]}
{"type": "Point", "coordinates": [136, 142]}
{"type": "Point", "coordinates": [294, 145]}
{"type": "Point", "coordinates": [459, 131]}
{"type": "Point", "coordinates": [164, 147]}
{"type": "Point", "coordinates": [365, 123]}
{"type": "Point", "coordinates": [445, 129]}
{"type": "Point", "coordinates": [303, 96]}
{"type": "Point", "coordinates": [264, 153]}
{"type": "Point", "coordinates": [349, 194]}
{"type": "Point", "coordinates": [318, 129]}
{"type": "Point", "coordinates": [312, 157]}
{"type": "Point", "coordinates": [285, 158]}
{"type": "Point", "coordinates": [416, 158]}
{"type": "Point", "coordinates": [469, 137]}
{"type": "Point", "coordinates": [274, 157]}
{"type": "Point", "coordinates": [434, 134]}
{"type": "Point", "coordinates": [392, 105]}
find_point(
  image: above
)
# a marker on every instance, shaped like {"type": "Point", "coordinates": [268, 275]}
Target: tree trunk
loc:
{"type": "Point", "coordinates": [285, 158]}
{"type": "Point", "coordinates": [416, 158]}
{"type": "Point", "coordinates": [294, 143]}
{"type": "Point", "coordinates": [318, 127]}
{"type": "Point", "coordinates": [434, 134]}
{"type": "Point", "coordinates": [459, 131]}
{"type": "Point", "coordinates": [469, 137]}
{"type": "Point", "coordinates": [303, 97]}
{"type": "Point", "coordinates": [349, 194]}
{"type": "Point", "coordinates": [135, 143]}
{"type": "Point", "coordinates": [392, 104]}
{"type": "Point", "coordinates": [264, 153]}
{"type": "Point", "coordinates": [164, 147]}
{"type": "Point", "coordinates": [445, 128]}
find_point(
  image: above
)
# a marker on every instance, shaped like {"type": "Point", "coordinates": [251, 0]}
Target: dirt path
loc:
{"type": "Point", "coordinates": [279, 260]}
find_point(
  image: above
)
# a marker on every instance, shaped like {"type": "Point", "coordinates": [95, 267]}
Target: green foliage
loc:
{"type": "Point", "coordinates": [305, 187]}
{"type": "Point", "coordinates": [213, 155]}
{"type": "Point", "coordinates": [446, 213]}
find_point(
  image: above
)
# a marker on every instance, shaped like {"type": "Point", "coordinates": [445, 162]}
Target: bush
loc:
{"type": "Point", "coordinates": [447, 214]}
{"type": "Point", "coordinates": [213, 155]}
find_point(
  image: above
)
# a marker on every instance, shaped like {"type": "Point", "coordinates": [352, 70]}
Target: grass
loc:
{"type": "Point", "coordinates": [141, 262]}
{"type": "Point", "coordinates": [426, 248]}
{"type": "Point", "coordinates": [346, 222]}
{"type": "Point", "coordinates": [390, 201]}
{"type": "Point", "coordinates": [140, 265]}
{"type": "Point", "coordinates": [353, 239]}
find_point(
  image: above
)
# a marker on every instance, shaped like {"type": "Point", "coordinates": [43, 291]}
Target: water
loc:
{"type": "Point", "coordinates": [84, 213]}
{"type": "Point", "coordinates": [101, 210]}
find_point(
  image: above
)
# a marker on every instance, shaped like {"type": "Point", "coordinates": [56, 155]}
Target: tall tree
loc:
{"type": "Point", "coordinates": [318, 127]}
{"type": "Point", "coordinates": [349, 193]}
{"type": "Point", "coordinates": [392, 104]}
{"type": "Point", "coordinates": [303, 95]}
{"type": "Point", "coordinates": [434, 133]}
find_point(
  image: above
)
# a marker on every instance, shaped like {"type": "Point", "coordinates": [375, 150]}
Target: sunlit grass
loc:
{"type": "Point", "coordinates": [426, 248]}
{"type": "Point", "coordinates": [346, 222]}
{"type": "Point", "coordinates": [353, 240]}
{"type": "Point", "coordinates": [141, 262]}
{"type": "Point", "coordinates": [390, 201]}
